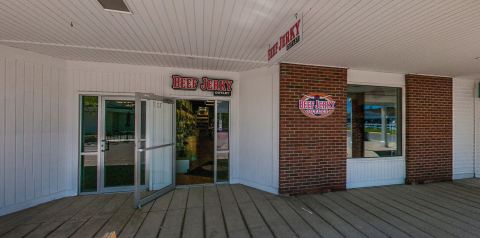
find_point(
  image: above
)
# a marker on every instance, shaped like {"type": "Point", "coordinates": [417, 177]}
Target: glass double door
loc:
{"type": "Point", "coordinates": [126, 144]}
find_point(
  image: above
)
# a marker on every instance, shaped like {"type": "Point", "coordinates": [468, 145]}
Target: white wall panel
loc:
{"type": "Point", "coordinates": [30, 157]}
{"type": "Point", "coordinates": [375, 172]}
{"type": "Point", "coordinates": [463, 128]}
{"type": "Point", "coordinates": [477, 130]}
{"type": "Point", "coordinates": [259, 161]}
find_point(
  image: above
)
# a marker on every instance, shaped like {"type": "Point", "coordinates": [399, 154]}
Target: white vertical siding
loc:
{"type": "Point", "coordinates": [30, 157]}
{"type": "Point", "coordinates": [477, 129]}
{"type": "Point", "coordinates": [463, 128]}
{"type": "Point", "coordinates": [259, 160]}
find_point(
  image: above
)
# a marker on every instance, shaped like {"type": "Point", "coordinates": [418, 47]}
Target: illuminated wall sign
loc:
{"type": "Point", "coordinates": [219, 87]}
{"type": "Point", "coordinates": [316, 105]}
{"type": "Point", "coordinates": [288, 38]}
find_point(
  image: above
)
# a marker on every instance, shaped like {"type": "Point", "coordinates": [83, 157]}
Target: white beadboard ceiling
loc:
{"type": "Point", "coordinates": [439, 37]}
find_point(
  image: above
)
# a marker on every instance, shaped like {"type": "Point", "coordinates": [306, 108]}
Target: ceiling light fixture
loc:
{"type": "Point", "coordinates": [115, 6]}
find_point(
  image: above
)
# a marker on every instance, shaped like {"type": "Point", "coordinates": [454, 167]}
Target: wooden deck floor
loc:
{"type": "Point", "coordinates": [433, 210]}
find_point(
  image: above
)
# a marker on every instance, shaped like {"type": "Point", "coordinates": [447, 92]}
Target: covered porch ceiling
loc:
{"type": "Point", "coordinates": [438, 37]}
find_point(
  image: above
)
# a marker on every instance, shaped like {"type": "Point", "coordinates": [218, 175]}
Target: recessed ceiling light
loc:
{"type": "Point", "coordinates": [115, 6]}
{"type": "Point", "coordinates": [477, 58]}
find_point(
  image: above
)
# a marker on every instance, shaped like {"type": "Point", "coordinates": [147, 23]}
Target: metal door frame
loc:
{"type": "Point", "coordinates": [101, 155]}
{"type": "Point", "coordinates": [139, 97]}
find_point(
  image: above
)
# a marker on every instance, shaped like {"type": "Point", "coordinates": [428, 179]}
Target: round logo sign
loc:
{"type": "Point", "coordinates": [316, 105]}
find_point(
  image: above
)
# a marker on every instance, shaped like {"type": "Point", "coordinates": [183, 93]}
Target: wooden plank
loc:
{"type": "Point", "coordinates": [195, 197]}
{"type": "Point", "coordinates": [254, 220]}
{"type": "Point", "coordinates": [55, 221]}
{"type": "Point", "coordinates": [214, 222]}
{"type": "Point", "coordinates": [119, 219]}
{"type": "Point", "coordinates": [472, 195]}
{"type": "Point", "coordinates": [473, 225]}
{"type": "Point", "coordinates": [44, 229]}
{"type": "Point", "coordinates": [151, 225]}
{"type": "Point", "coordinates": [347, 216]}
{"type": "Point", "coordinates": [275, 222]}
{"type": "Point", "coordinates": [77, 221]}
{"type": "Point", "coordinates": [234, 221]}
{"type": "Point", "coordinates": [173, 222]}
{"type": "Point", "coordinates": [418, 219]}
{"type": "Point", "coordinates": [452, 225]}
{"type": "Point", "coordinates": [179, 199]}
{"type": "Point", "coordinates": [95, 223]}
{"type": "Point", "coordinates": [315, 221]}
{"type": "Point", "coordinates": [450, 201]}
{"type": "Point", "coordinates": [441, 201]}
{"type": "Point", "coordinates": [365, 215]}
{"type": "Point", "coordinates": [20, 231]}
{"type": "Point", "coordinates": [10, 221]}
{"type": "Point", "coordinates": [293, 219]}
{"type": "Point", "coordinates": [50, 212]}
{"type": "Point", "coordinates": [337, 222]}
{"type": "Point", "coordinates": [162, 203]}
{"type": "Point", "coordinates": [385, 215]}
{"type": "Point", "coordinates": [135, 221]}
{"type": "Point", "coordinates": [194, 221]}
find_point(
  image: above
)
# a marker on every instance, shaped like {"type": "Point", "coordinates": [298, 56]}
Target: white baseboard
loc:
{"type": "Point", "coordinates": [255, 185]}
{"type": "Point", "coordinates": [463, 176]}
{"type": "Point", "coordinates": [31, 203]}
{"type": "Point", "coordinates": [375, 183]}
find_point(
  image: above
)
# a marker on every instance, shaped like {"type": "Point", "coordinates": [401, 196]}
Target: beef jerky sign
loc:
{"type": "Point", "coordinates": [220, 87]}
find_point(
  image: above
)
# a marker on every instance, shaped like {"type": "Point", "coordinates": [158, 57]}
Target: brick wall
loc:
{"type": "Point", "coordinates": [429, 128]}
{"type": "Point", "coordinates": [312, 151]}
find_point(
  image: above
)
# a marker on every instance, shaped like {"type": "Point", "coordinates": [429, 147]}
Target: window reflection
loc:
{"type": "Point", "coordinates": [373, 121]}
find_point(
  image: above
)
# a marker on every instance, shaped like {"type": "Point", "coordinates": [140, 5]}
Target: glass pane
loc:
{"type": "Point", "coordinates": [374, 121]}
{"type": "Point", "coordinates": [223, 121]}
{"type": "Point", "coordinates": [195, 148]}
{"type": "Point", "coordinates": [222, 167]}
{"type": "Point", "coordinates": [89, 130]}
{"type": "Point", "coordinates": [88, 173]}
{"type": "Point", "coordinates": [119, 158]}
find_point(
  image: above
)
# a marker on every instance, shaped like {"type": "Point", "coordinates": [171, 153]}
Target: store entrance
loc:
{"type": "Point", "coordinates": [202, 141]}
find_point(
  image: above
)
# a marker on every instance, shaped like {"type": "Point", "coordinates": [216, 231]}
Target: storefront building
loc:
{"type": "Point", "coordinates": [73, 126]}
{"type": "Point", "coordinates": [379, 129]}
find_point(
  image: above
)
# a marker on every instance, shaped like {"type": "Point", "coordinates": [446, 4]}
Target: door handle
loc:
{"type": "Point", "coordinates": [105, 145]}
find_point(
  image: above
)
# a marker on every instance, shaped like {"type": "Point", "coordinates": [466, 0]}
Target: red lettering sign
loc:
{"type": "Point", "coordinates": [220, 87]}
{"type": "Point", "coordinates": [185, 83]}
{"type": "Point", "coordinates": [286, 40]}
{"type": "Point", "coordinates": [316, 105]}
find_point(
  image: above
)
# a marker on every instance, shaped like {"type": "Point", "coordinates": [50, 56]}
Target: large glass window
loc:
{"type": "Point", "coordinates": [374, 121]}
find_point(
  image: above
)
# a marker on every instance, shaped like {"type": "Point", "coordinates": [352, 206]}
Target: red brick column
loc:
{"type": "Point", "coordinates": [429, 128]}
{"type": "Point", "coordinates": [358, 125]}
{"type": "Point", "coordinates": [313, 152]}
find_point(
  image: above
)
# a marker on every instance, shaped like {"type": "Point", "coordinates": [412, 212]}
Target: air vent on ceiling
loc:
{"type": "Point", "coordinates": [115, 5]}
